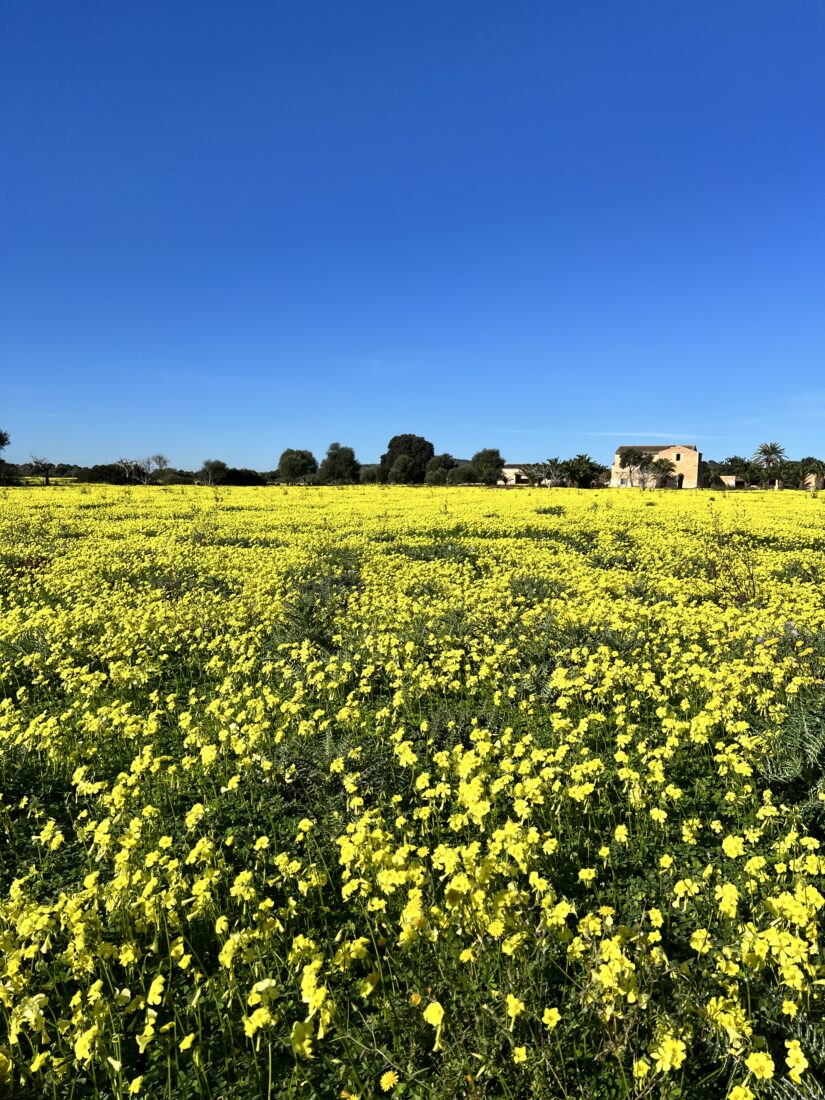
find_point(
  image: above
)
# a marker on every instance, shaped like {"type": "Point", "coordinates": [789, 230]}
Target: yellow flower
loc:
{"type": "Point", "coordinates": [550, 1018]}
{"type": "Point", "coordinates": [761, 1065]}
{"type": "Point", "coordinates": [669, 1053]}
{"type": "Point", "coordinates": [796, 1061]}
{"type": "Point", "coordinates": [434, 1015]}
{"type": "Point", "coordinates": [389, 1080]}
{"type": "Point", "coordinates": [84, 1045]}
{"type": "Point", "coordinates": [733, 846]}
{"type": "Point", "coordinates": [186, 1043]}
{"type": "Point", "coordinates": [301, 1038]}
{"type": "Point", "coordinates": [514, 1007]}
{"type": "Point", "coordinates": [700, 941]}
{"type": "Point", "coordinates": [155, 995]}
{"type": "Point", "coordinates": [520, 1055]}
{"type": "Point", "coordinates": [136, 1086]}
{"type": "Point", "coordinates": [740, 1092]}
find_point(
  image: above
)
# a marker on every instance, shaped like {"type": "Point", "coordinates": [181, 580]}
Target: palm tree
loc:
{"type": "Point", "coordinates": [555, 474]}
{"type": "Point", "coordinates": [662, 469]}
{"type": "Point", "coordinates": [767, 457]}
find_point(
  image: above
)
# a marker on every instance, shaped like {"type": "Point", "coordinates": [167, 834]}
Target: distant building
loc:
{"type": "Point", "coordinates": [512, 474]}
{"type": "Point", "coordinates": [814, 482]}
{"type": "Point", "coordinates": [731, 481]}
{"type": "Point", "coordinates": [686, 459]}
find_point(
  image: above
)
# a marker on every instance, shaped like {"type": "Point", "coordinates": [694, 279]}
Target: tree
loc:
{"type": "Point", "coordinates": [738, 466]}
{"type": "Point", "coordinates": [662, 469]}
{"type": "Point", "coordinates": [810, 465]}
{"type": "Point", "coordinates": [582, 471]}
{"type": "Point", "coordinates": [340, 467]}
{"type": "Point", "coordinates": [143, 470]}
{"type": "Point", "coordinates": [487, 465]}
{"type": "Point", "coordinates": [110, 473]}
{"type": "Point", "coordinates": [767, 457]}
{"type": "Point", "coordinates": [5, 439]}
{"type": "Point", "coordinates": [460, 474]}
{"type": "Point", "coordinates": [419, 449]}
{"type": "Point", "coordinates": [632, 459]}
{"type": "Point", "coordinates": [790, 473]}
{"type": "Point", "coordinates": [536, 473]}
{"type": "Point", "coordinates": [234, 475]}
{"type": "Point", "coordinates": [403, 471]}
{"type": "Point", "coordinates": [368, 474]}
{"type": "Point", "coordinates": [438, 467]}
{"type": "Point", "coordinates": [212, 472]}
{"type": "Point", "coordinates": [41, 467]}
{"type": "Point", "coordinates": [297, 467]}
{"type": "Point", "coordinates": [555, 473]}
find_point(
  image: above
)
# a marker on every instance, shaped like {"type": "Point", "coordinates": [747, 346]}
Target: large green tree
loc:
{"type": "Point", "coordinates": [296, 466]}
{"type": "Point", "coordinates": [438, 467]}
{"type": "Point", "coordinates": [403, 471]}
{"type": "Point", "coordinates": [340, 466]}
{"type": "Point", "coordinates": [737, 465]}
{"type": "Point", "coordinates": [582, 472]}
{"type": "Point", "coordinates": [419, 450]}
{"type": "Point", "coordinates": [213, 471]}
{"type": "Point", "coordinates": [487, 465]}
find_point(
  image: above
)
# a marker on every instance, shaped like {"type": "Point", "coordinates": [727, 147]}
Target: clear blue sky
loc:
{"type": "Point", "coordinates": [548, 227]}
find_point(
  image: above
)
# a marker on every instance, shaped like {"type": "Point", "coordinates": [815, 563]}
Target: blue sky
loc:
{"type": "Point", "coordinates": [549, 227]}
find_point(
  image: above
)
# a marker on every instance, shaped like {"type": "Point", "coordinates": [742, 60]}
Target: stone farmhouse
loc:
{"type": "Point", "coordinates": [686, 459]}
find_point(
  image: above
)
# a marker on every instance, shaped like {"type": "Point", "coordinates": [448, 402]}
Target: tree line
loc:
{"type": "Point", "coordinates": [411, 460]}
{"type": "Point", "coordinates": [769, 463]}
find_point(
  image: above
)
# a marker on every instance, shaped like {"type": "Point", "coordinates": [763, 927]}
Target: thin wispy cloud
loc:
{"type": "Point", "coordinates": [654, 435]}
{"type": "Point", "coordinates": [618, 434]}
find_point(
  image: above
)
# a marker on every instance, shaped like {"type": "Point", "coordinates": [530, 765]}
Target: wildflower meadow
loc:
{"type": "Point", "coordinates": [412, 792]}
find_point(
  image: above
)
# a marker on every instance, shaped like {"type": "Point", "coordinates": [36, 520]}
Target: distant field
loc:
{"type": "Point", "coordinates": [416, 792]}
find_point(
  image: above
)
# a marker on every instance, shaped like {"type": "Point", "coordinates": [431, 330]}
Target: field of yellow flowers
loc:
{"type": "Point", "coordinates": [411, 792]}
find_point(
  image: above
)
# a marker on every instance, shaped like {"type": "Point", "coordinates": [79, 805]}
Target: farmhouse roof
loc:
{"type": "Point", "coordinates": [654, 449]}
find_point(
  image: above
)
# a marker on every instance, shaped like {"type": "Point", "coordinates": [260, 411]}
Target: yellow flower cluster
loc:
{"type": "Point", "coordinates": [330, 772]}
